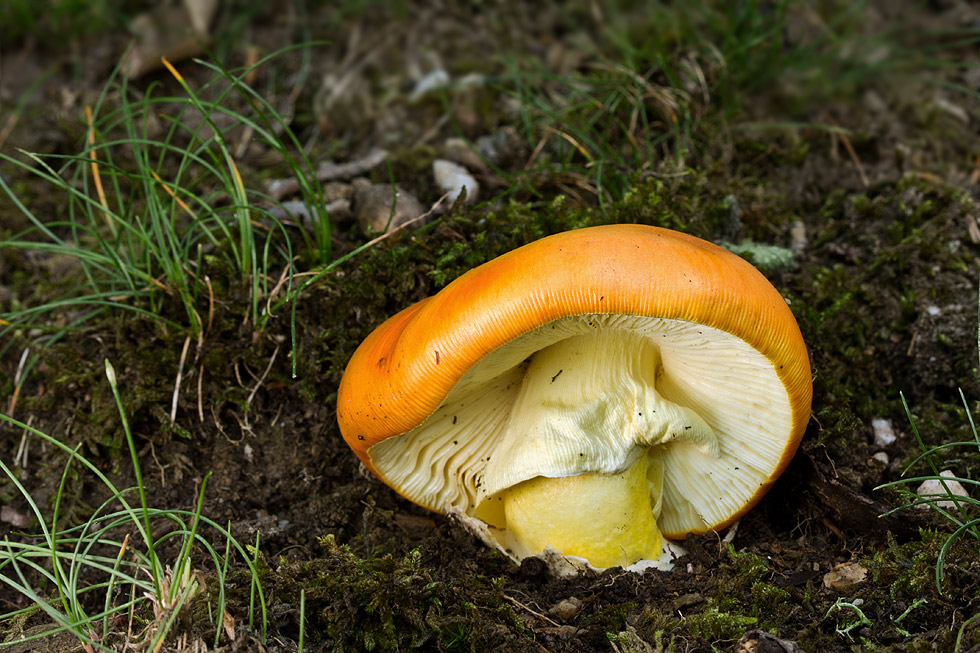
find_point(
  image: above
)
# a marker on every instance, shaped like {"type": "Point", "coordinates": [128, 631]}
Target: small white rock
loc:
{"type": "Point", "coordinates": [452, 178]}
{"type": "Point", "coordinates": [882, 458]}
{"type": "Point", "coordinates": [883, 432]}
{"type": "Point", "coordinates": [15, 518]}
{"type": "Point", "coordinates": [934, 487]}
{"type": "Point", "coordinates": [373, 208]}
{"type": "Point", "coordinates": [431, 81]}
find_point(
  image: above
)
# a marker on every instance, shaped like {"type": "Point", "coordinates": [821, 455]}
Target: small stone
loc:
{"type": "Point", "coordinates": [373, 208]}
{"type": "Point", "coordinates": [337, 190]}
{"type": "Point", "coordinates": [453, 178]}
{"type": "Point", "coordinates": [883, 432]}
{"type": "Point", "coordinates": [502, 147]}
{"type": "Point", "coordinates": [339, 210]}
{"type": "Point", "coordinates": [687, 600]}
{"type": "Point", "coordinates": [845, 577]}
{"type": "Point", "coordinates": [12, 516]}
{"type": "Point", "coordinates": [566, 609]}
{"type": "Point", "coordinates": [566, 633]}
{"type": "Point", "coordinates": [934, 488]}
{"type": "Point", "coordinates": [465, 154]}
{"type": "Point", "coordinates": [881, 458]}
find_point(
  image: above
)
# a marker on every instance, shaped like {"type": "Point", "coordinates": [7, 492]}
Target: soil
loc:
{"type": "Point", "coordinates": [880, 212]}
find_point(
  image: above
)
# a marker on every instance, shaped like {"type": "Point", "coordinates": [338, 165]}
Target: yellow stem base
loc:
{"type": "Point", "coordinates": [606, 519]}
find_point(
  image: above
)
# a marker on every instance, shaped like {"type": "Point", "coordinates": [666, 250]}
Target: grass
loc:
{"type": "Point", "coordinates": [61, 21]}
{"type": "Point", "coordinates": [658, 91]}
{"type": "Point", "coordinates": [960, 511]}
{"type": "Point", "coordinates": [143, 242]}
{"type": "Point", "coordinates": [156, 211]}
{"type": "Point", "coordinates": [104, 587]}
{"type": "Point", "coordinates": [963, 514]}
{"type": "Point", "coordinates": [147, 244]}
{"type": "Point", "coordinates": [663, 91]}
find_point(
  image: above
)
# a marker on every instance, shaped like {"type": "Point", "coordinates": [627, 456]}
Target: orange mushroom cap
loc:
{"type": "Point", "coordinates": [406, 368]}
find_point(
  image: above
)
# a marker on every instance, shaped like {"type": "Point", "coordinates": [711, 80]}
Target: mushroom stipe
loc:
{"type": "Point", "coordinates": [592, 392]}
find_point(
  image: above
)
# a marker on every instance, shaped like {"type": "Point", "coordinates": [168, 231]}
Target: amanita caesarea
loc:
{"type": "Point", "coordinates": [592, 391]}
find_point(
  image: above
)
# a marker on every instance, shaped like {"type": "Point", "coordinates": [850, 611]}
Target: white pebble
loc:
{"type": "Point", "coordinates": [883, 431]}
{"type": "Point", "coordinates": [934, 487]}
{"type": "Point", "coordinates": [452, 178]}
{"type": "Point", "coordinates": [436, 79]}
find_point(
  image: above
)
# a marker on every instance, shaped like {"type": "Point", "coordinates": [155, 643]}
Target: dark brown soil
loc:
{"type": "Point", "coordinates": [884, 287]}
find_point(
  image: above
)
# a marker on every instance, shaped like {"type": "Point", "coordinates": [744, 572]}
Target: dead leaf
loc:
{"type": "Point", "coordinates": [845, 577]}
{"type": "Point", "coordinates": [229, 623]}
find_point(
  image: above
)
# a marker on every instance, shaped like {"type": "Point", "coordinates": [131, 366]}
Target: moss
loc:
{"type": "Point", "coordinates": [768, 601]}
{"type": "Point", "coordinates": [745, 594]}
{"type": "Point", "coordinates": [380, 603]}
{"type": "Point", "coordinates": [863, 307]}
{"type": "Point", "coordinates": [714, 626]}
{"type": "Point", "coordinates": [765, 257]}
{"type": "Point", "coordinates": [747, 568]}
{"type": "Point", "coordinates": [611, 618]}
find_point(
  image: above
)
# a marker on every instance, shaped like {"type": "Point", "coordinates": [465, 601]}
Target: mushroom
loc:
{"type": "Point", "coordinates": [587, 392]}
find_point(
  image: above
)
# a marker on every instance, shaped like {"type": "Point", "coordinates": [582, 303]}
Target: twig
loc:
{"type": "Point", "coordinates": [537, 150]}
{"type": "Point", "coordinates": [18, 381]}
{"type": "Point", "coordinates": [217, 423]}
{"type": "Point", "coordinates": [850, 150]}
{"type": "Point", "coordinates": [279, 284]}
{"type": "Point", "coordinates": [330, 171]}
{"type": "Point", "coordinates": [95, 170]}
{"type": "Point", "coordinates": [536, 614]}
{"type": "Point", "coordinates": [207, 280]}
{"type": "Point", "coordinates": [180, 374]}
{"type": "Point", "coordinates": [276, 417]}
{"type": "Point", "coordinates": [20, 458]}
{"type": "Point", "coordinates": [251, 395]}
{"type": "Point", "coordinates": [568, 137]}
{"type": "Point", "coordinates": [200, 403]}
{"type": "Point", "coordinates": [431, 210]}
{"type": "Point", "coordinates": [251, 58]}
{"type": "Point", "coordinates": [163, 477]}
{"type": "Point", "coordinates": [243, 426]}
{"type": "Point", "coordinates": [8, 127]}
{"type": "Point", "coordinates": [170, 191]}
